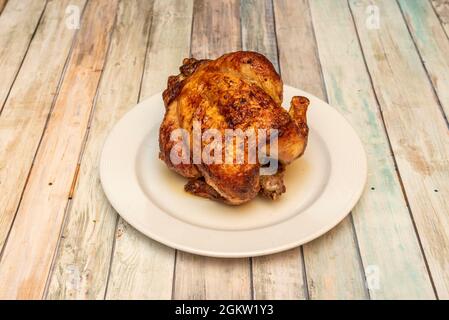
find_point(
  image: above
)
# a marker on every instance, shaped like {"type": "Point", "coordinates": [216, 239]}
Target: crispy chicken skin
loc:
{"type": "Point", "coordinates": [239, 90]}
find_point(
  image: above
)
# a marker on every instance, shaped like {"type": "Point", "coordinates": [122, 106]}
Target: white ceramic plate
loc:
{"type": "Point", "coordinates": [322, 188]}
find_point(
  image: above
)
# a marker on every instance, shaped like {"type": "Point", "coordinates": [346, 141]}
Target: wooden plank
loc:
{"type": "Point", "coordinates": [27, 108]}
{"type": "Point", "coordinates": [18, 22]}
{"type": "Point", "coordinates": [34, 235]}
{"type": "Point", "coordinates": [432, 43]}
{"type": "Point", "coordinates": [332, 264]}
{"type": "Point", "coordinates": [200, 278]}
{"type": "Point", "coordinates": [216, 30]}
{"type": "Point", "coordinates": [258, 30]}
{"type": "Point", "coordinates": [385, 232]}
{"type": "Point", "coordinates": [82, 264]}
{"type": "Point", "coordinates": [442, 10]}
{"type": "Point", "coordinates": [298, 58]}
{"type": "Point", "coordinates": [417, 131]}
{"type": "Point", "coordinates": [278, 276]}
{"type": "Point", "coordinates": [143, 268]}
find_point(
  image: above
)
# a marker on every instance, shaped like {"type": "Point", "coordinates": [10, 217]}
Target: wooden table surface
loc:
{"type": "Point", "coordinates": [384, 64]}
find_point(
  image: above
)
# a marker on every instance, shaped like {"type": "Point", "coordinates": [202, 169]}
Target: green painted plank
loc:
{"type": "Point", "coordinates": [432, 44]}
{"type": "Point", "coordinates": [389, 248]}
{"type": "Point", "coordinates": [416, 129]}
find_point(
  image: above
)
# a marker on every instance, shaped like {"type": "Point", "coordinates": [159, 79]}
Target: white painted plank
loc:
{"type": "Point", "coordinates": [332, 264]}
{"type": "Point", "coordinates": [18, 21]}
{"type": "Point", "coordinates": [258, 30]}
{"type": "Point", "coordinates": [28, 254]}
{"type": "Point", "coordinates": [82, 263]}
{"type": "Point", "coordinates": [27, 108]}
{"type": "Point", "coordinates": [201, 278]}
{"type": "Point", "coordinates": [143, 268]}
{"type": "Point", "coordinates": [432, 43]}
{"type": "Point", "coordinates": [278, 276]}
{"type": "Point", "coordinates": [442, 10]}
{"type": "Point", "coordinates": [388, 244]}
{"type": "Point", "coordinates": [415, 126]}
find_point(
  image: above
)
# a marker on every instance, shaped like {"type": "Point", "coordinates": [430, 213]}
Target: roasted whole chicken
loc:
{"type": "Point", "coordinates": [237, 91]}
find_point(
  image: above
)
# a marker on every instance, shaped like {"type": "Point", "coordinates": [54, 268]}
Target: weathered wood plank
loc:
{"type": "Point", "coordinates": [216, 30]}
{"type": "Point", "coordinates": [82, 263]}
{"type": "Point", "coordinates": [415, 126]}
{"type": "Point", "coordinates": [298, 58]}
{"type": "Point", "coordinates": [432, 43]}
{"type": "Point", "coordinates": [26, 110]}
{"type": "Point", "coordinates": [18, 22]}
{"type": "Point", "coordinates": [332, 264]}
{"type": "Point", "coordinates": [200, 277]}
{"type": "Point", "coordinates": [442, 10]}
{"type": "Point", "coordinates": [143, 268]}
{"type": "Point", "coordinates": [258, 30]}
{"type": "Point", "coordinates": [34, 235]}
{"type": "Point", "coordinates": [388, 244]}
{"type": "Point", "coordinates": [278, 276]}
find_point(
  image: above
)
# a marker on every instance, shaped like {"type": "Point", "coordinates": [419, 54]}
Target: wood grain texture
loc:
{"type": "Point", "coordinates": [143, 268]}
{"type": "Point", "coordinates": [216, 30]}
{"type": "Point", "coordinates": [298, 59]}
{"type": "Point", "coordinates": [258, 30]}
{"type": "Point", "coordinates": [26, 111]}
{"type": "Point", "coordinates": [432, 44]}
{"type": "Point", "coordinates": [34, 235]}
{"type": "Point", "coordinates": [278, 276]}
{"type": "Point", "coordinates": [332, 263]}
{"type": "Point", "coordinates": [200, 278]}
{"type": "Point", "coordinates": [18, 22]}
{"type": "Point", "coordinates": [416, 128]}
{"type": "Point", "coordinates": [388, 244]}
{"type": "Point", "coordinates": [82, 263]}
{"type": "Point", "coordinates": [442, 10]}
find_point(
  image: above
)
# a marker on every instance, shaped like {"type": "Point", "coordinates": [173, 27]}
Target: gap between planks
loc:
{"type": "Point", "coordinates": [437, 71]}
{"type": "Point", "coordinates": [415, 181]}
{"type": "Point", "coordinates": [57, 89]}
{"type": "Point", "coordinates": [366, 220]}
{"type": "Point", "coordinates": [27, 47]}
{"type": "Point", "coordinates": [139, 97]}
{"type": "Point", "coordinates": [150, 275]}
{"type": "Point", "coordinates": [29, 281]}
{"type": "Point", "coordinates": [77, 168]}
{"type": "Point", "coordinates": [88, 241]}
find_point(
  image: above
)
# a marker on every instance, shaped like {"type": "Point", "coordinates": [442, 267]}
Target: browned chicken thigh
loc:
{"type": "Point", "coordinates": [238, 91]}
